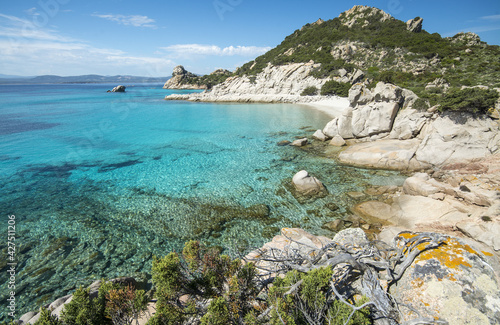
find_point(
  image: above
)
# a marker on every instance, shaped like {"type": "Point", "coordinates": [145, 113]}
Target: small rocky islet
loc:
{"type": "Point", "coordinates": [451, 157]}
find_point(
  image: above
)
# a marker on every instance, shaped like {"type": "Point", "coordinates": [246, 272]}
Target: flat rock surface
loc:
{"type": "Point", "coordinates": [387, 154]}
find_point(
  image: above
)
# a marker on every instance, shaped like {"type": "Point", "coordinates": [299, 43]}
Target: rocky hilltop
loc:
{"type": "Point", "coordinates": [364, 44]}
{"type": "Point", "coordinates": [183, 79]}
{"type": "Point", "coordinates": [179, 80]}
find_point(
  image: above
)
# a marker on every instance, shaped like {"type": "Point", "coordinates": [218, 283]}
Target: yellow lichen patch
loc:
{"type": "Point", "coordinates": [486, 253]}
{"type": "Point", "coordinates": [449, 254]}
{"type": "Point", "coordinates": [417, 283]}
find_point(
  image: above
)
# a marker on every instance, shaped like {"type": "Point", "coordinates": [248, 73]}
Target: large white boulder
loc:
{"type": "Point", "coordinates": [306, 184]}
{"type": "Point", "coordinates": [457, 138]}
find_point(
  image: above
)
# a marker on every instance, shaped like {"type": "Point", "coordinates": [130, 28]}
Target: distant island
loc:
{"type": "Point", "coordinates": [91, 78]}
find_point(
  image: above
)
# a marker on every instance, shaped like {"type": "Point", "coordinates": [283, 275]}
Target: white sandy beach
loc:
{"type": "Point", "coordinates": [331, 106]}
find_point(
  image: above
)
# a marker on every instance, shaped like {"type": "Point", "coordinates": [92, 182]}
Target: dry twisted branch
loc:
{"type": "Point", "coordinates": [352, 264]}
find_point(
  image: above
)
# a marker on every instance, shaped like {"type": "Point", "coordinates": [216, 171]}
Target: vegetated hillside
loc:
{"type": "Point", "coordinates": [387, 49]}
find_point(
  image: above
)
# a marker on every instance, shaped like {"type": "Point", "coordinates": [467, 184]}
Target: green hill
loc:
{"type": "Point", "coordinates": [369, 39]}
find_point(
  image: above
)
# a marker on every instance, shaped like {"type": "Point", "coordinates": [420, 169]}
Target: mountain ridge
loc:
{"type": "Point", "coordinates": [89, 78]}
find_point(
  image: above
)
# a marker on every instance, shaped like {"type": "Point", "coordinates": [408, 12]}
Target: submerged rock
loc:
{"type": "Point", "coordinates": [300, 142]}
{"type": "Point", "coordinates": [306, 188]}
{"type": "Point", "coordinates": [306, 184]}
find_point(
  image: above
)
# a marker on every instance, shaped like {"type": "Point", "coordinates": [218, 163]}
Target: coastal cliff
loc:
{"type": "Point", "coordinates": [437, 258]}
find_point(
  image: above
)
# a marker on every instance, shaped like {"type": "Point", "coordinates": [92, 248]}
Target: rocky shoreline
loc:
{"type": "Point", "coordinates": [453, 160]}
{"type": "Point", "coordinates": [454, 187]}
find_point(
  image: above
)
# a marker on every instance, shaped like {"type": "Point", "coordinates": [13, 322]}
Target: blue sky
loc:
{"type": "Point", "coordinates": [150, 37]}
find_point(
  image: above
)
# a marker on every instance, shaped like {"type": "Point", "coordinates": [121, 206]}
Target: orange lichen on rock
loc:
{"type": "Point", "coordinates": [450, 254]}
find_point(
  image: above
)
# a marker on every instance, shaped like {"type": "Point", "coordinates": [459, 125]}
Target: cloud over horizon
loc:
{"type": "Point", "coordinates": [27, 49]}
{"type": "Point", "coordinates": [130, 20]}
{"type": "Point", "coordinates": [200, 49]}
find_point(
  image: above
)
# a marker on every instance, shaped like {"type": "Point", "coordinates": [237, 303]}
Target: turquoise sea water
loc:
{"type": "Point", "coordinates": [100, 182]}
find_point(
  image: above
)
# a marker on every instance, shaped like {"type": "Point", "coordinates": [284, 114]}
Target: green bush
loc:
{"type": "Point", "coordinates": [83, 310]}
{"type": "Point", "coordinates": [125, 305]}
{"type": "Point", "coordinates": [113, 305]}
{"type": "Point", "coordinates": [202, 273]}
{"type": "Point", "coordinates": [309, 91]}
{"type": "Point", "coordinates": [333, 87]}
{"type": "Point", "coordinates": [473, 100]}
{"type": "Point", "coordinates": [47, 319]}
{"type": "Point", "coordinates": [217, 313]}
{"type": "Point", "coordinates": [313, 301]}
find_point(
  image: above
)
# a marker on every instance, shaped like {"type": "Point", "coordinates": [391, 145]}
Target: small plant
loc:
{"type": "Point", "coordinates": [307, 298]}
{"type": "Point", "coordinates": [333, 87]}
{"type": "Point", "coordinates": [473, 100]}
{"type": "Point", "coordinates": [198, 275]}
{"type": "Point", "coordinates": [125, 305]}
{"type": "Point", "coordinates": [309, 91]}
{"type": "Point", "coordinates": [47, 319]}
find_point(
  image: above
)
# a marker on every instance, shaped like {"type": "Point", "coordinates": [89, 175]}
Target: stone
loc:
{"type": "Point", "coordinates": [374, 211]}
{"type": "Point", "coordinates": [335, 225]}
{"type": "Point", "coordinates": [118, 89]}
{"type": "Point", "coordinates": [178, 80]}
{"type": "Point", "coordinates": [408, 124]}
{"type": "Point", "coordinates": [331, 128]}
{"type": "Point", "coordinates": [331, 206]}
{"type": "Point", "coordinates": [385, 154]}
{"type": "Point", "coordinates": [456, 138]}
{"type": "Point", "coordinates": [356, 195]}
{"type": "Point", "coordinates": [300, 142]}
{"type": "Point", "coordinates": [318, 135]}
{"type": "Point", "coordinates": [351, 237]}
{"type": "Point", "coordinates": [371, 112]}
{"type": "Point", "coordinates": [451, 282]}
{"type": "Point", "coordinates": [26, 317]}
{"type": "Point", "coordinates": [306, 184]}
{"type": "Point", "coordinates": [414, 25]}
{"type": "Point", "coordinates": [337, 141]}
{"type": "Point", "coordinates": [484, 232]}
{"type": "Point", "coordinates": [418, 211]}
{"type": "Point", "coordinates": [290, 239]}
{"type": "Point", "coordinates": [58, 302]}
{"type": "Point", "coordinates": [439, 83]}
{"type": "Point", "coordinates": [283, 143]}
{"type": "Point", "coordinates": [179, 71]}
{"type": "Point", "coordinates": [419, 184]}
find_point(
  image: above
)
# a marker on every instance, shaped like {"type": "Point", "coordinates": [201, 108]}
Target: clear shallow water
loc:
{"type": "Point", "coordinates": [100, 182]}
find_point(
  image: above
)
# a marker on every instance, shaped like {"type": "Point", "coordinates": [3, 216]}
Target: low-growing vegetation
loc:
{"type": "Point", "coordinates": [209, 80]}
{"type": "Point", "coordinates": [309, 91]}
{"type": "Point", "coordinates": [472, 100]}
{"type": "Point", "coordinates": [333, 87]}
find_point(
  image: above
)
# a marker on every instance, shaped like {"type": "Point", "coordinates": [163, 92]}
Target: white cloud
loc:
{"type": "Point", "coordinates": [26, 49]}
{"type": "Point", "coordinates": [200, 49]}
{"type": "Point", "coordinates": [131, 20]}
{"type": "Point", "coordinates": [493, 17]}
{"type": "Point", "coordinates": [21, 29]}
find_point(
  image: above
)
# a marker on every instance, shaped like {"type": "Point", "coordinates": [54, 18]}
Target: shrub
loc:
{"type": "Point", "coordinates": [113, 305]}
{"type": "Point", "coordinates": [333, 87]}
{"type": "Point", "coordinates": [47, 319]}
{"type": "Point", "coordinates": [125, 305]}
{"type": "Point", "coordinates": [202, 273]}
{"type": "Point", "coordinates": [217, 313]}
{"type": "Point", "coordinates": [473, 100]}
{"type": "Point", "coordinates": [309, 91]}
{"type": "Point", "coordinates": [83, 310]}
{"type": "Point", "coordinates": [312, 301]}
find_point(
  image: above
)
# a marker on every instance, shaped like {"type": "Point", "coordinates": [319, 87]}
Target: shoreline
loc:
{"type": "Point", "coordinates": [333, 106]}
